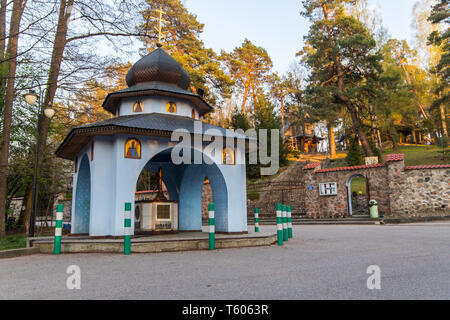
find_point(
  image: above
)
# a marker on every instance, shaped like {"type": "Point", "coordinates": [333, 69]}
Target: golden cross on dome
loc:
{"type": "Point", "coordinates": [160, 26]}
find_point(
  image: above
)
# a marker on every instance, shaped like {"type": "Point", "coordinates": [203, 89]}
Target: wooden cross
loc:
{"type": "Point", "coordinates": [159, 27]}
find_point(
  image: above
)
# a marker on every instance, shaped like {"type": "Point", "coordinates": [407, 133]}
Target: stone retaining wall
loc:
{"type": "Point", "coordinates": [399, 190]}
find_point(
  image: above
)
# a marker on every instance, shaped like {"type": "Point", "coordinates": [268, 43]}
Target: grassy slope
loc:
{"type": "Point", "coordinates": [414, 155]}
{"type": "Point", "coordinates": [13, 242]}
{"type": "Point", "coordinates": [419, 155]}
{"type": "Point", "coordinates": [358, 185]}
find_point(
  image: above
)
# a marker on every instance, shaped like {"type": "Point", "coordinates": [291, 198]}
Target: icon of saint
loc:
{"type": "Point", "coordinates": [132, 151]}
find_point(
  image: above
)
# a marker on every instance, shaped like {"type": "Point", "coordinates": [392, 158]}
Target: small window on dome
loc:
{"type": "Point", "coordinates": [138, 106]}
{"type": "Point", "coordinates": [193, 114]}
{"type": "Point", "coordinates": [171, 107]}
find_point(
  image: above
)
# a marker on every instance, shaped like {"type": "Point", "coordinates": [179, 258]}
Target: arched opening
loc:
{"type": "Point", "coordinates": [155, 200]}
{"type": "Point", "coordinates": [358, 195]}
{"type": "Point", "coordinates": [183, 184]}
{"type": "Point", "coordinates": [191, 189]}
{"type": "Point", "coordinates": [82, 199]}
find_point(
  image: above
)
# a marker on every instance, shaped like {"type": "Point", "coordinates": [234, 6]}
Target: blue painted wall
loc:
{"type": "Point", "coordinates": [114, 178]}
{"type": "Point", "coordinates": [81, 219]}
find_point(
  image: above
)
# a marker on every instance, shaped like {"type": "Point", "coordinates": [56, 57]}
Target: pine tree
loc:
{"type": "Point", "coordinates": [341, 54]}
{"type": "Point", "coordinates": [440, 14]}
{"type": "Point", "coordinates": [249, 66]}
{"type": "Point", "coordinates": [355, 156]}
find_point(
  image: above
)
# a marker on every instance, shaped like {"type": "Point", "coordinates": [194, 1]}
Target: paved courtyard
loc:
{"type": "Point", "coordinates": [322, 262]}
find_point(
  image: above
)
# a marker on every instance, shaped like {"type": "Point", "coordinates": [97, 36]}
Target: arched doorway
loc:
{"type": "Point", "coordinates": [358, 195]}
{"type": "Point", "coordinates": [191, 190]}
{"type": "Point", "coordinates": [82, 198]}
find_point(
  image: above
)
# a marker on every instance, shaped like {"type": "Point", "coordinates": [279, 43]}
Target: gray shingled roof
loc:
{"type": "Point", "coordinates": [162, 122]}
{"type": "Point", "coordinates": [153, 124]}
{"type": "Point", "coordinates": [158, 66]}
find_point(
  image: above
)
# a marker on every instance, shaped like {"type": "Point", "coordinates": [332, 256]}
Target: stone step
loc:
{"type": "Point", "coordinates": [309, 221]}
{"type": "Point", "coordinates": [319, 222]}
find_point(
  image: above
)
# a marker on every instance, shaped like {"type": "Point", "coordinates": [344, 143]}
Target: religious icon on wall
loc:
{"type": "Point", "coordinates": [171, 107]}
{"type": "Point", "coordinates": [138, 107]}
{"type": "Point", "coordinates": [228, 156]}
{"type": "Point", "coordinates": [133, 149]}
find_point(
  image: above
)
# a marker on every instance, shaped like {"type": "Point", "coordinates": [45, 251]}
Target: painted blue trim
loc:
{"type": "Point", "coordinates": [83, 198]}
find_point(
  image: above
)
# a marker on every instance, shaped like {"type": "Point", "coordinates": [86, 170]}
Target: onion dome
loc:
{"type": "Point", "coordinates": [160, 67]}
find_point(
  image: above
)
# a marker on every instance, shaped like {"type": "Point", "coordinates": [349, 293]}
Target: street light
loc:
{"type": "Point", "coordinates": [31, 98]}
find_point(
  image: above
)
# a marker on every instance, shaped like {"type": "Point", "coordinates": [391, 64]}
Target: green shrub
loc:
{"type": "Point", "coordinates": [355, 155]}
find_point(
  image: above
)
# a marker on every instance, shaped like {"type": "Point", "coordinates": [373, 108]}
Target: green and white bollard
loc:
{"type": "Point", "coordinates": [127, 230]}
{"type": "Point", "coordinates": [290, 234]}
{"type": "Point", "coordinates": [58, 229]}
{"type": "Point", "coordinates": [279, 224]}
{"type": "Point", "coordinates": [212, 229]}
{"type": "Point", "coordinates": [285, 224]}
{"type": "Point", "coordinates": [256, 220]}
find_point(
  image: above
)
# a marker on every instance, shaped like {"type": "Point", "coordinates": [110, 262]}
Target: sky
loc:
{"type": "Point", "coordinates": [277, 25]}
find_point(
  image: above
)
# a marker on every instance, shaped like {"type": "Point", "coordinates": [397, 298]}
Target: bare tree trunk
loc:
{"type": "Point", "coordinates": [302, 139]}
{"type": "Point", "coordinates": [24, 218]}
{"type": "Point", "coordinates": [60, 42]}
{"type": "Point", "coordinates": [52, 193]}
{"type": "Point", "coordinates": [356, 124]}
{"type": "Point", "coordinates": [282, 117]}
{"type": "Point", "coordinates": [444, 120]}
{"type": "Point", "coordinates": [331, 140]}
{"type": "Point", "coordinates": [414, 137]}
{"type": "Point", "coordinates": [244, 99]}
{"type": "Point", "coordinates": [380, 143]}
{"type": "Point", "coordinates": [12, 49]}
{"type": "Point", "coordinates": [2, 29]}
{"type": "Point", "coordinates": [2, 54]}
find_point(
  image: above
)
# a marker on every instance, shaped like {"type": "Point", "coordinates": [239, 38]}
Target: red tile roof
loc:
{"type": "Point", "coordinates": [438, 166]}
{"type": "Point", "coordinates": [395, 157]}
{"type": "Point", "coordinates": [352, 168]}
{"type": "Point", "coordinates": [312, 165]}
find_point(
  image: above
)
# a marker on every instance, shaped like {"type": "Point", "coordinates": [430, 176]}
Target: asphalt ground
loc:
{"type": "Point", "coordinates": [321, 262]}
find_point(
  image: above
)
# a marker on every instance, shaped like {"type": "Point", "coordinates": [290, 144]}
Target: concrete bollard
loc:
{"type": "Point", "coordinates": [279, 224]}
{"type": "Point", "coordinates": [127, 230]}
{"type": "Point", "coordinates": [212, 229]}
{"type": "Point", "coordinates": [256, 220]}
{"type": "Point", "coordinates": [285, 224]}
{"type": "Point", "coordinates": [290, 234]}
{"type": "Point", "coordinates": [58, 228]}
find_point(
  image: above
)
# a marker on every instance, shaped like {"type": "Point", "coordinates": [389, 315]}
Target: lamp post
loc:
{"type": "Point", "coordinates": [31, 98]}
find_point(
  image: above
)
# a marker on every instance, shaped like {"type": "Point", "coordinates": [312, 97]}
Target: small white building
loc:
{"type": "Point", "coordinates": [109, 156]}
